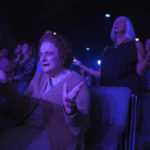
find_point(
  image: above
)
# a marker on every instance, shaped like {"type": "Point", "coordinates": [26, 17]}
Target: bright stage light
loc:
{"type": "Point", "coordinates": [99, 62]}
{"type": "Point", "coordinates": [107, 15]}
{"type": "Point", "coordinates": [137, 39]}
{"type": "Point", "coordinates": [54, 33]}
{"type": "Point", "coordinates": [87, 49]}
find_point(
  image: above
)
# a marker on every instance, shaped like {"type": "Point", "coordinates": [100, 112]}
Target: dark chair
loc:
{"type": "Point", "coordinates": [113, 119]}
{"type": "Point", "coordinates": [143, 132]}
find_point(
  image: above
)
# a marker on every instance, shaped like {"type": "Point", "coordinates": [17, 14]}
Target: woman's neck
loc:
{"type": "Point", "coordinates": [120, 39]}
{"type": "Point", "coordinates": [57, 73]}
{"type": "Point", "coordinates": [57, 77]}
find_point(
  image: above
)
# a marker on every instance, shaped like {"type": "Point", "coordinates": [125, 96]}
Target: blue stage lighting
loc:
{"type": "Point", "coordinates": [107, 15]}
{"type": "Point", "coordinates": [87, 49]}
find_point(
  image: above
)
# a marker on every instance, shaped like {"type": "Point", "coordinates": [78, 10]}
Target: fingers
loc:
{"type": "Point", "coordinates": [76, 62]}
{"type": "Point", "coordinates": [71, 104]}
{"type": "Point", "coordinates": [74, 92]}
{"type": "Point", "coordinates": [65, 90]}
{"type": "Point", "coordinates": [69, 98]}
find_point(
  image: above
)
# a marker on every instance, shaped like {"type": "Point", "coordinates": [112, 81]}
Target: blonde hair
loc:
{"type": "Point", "coordinates": [130, 34]}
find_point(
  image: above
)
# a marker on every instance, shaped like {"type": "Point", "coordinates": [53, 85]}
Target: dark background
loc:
{"type": "Point", "coordinates": [82, 22]}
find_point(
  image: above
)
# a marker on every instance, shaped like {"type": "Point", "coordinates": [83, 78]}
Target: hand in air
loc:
{"type": "Point", "coordinates": [76, 62]}
{"type": "Point", "coordinates": [70, 97]}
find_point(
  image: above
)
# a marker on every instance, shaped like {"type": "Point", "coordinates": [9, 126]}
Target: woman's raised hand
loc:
{"type": "Point", "coordinates": [76, 62]}
{"type": "Point", "coordinates": [70, 97]}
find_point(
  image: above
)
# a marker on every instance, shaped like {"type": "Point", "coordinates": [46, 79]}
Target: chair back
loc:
{"type": "Point", "coordinates": [109, 117]}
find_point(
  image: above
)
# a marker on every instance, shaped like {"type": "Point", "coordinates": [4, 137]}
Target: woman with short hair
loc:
{"type": "Point", "coordinates": [59, 93]}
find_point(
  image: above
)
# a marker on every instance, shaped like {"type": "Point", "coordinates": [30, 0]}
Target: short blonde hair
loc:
{"type": "Point", "coordinates": [130, 34]}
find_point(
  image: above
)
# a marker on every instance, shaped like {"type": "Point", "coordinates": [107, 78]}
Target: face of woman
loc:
{"type": "Point", "coordinates": [120, 25]}
{"type": "Point", "coordinates": [25, 48]}
{"type": "Point", "coordinates": [4, 64]}
{"type": "Point", "coordinates": [49, 58]}
{"type": "Point", "coordinates": [18, 49]}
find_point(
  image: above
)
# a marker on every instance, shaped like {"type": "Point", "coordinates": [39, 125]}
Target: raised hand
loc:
{"type": "Point", "coordinates": [69, 98]}
{"type": "Point", "coordinates": [77, 62]}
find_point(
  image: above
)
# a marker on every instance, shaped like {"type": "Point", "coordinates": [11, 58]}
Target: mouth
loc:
{"type": "Point", "coordinates": [45, 65]}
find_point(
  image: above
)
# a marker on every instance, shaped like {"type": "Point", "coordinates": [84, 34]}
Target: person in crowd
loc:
{"type": "Point", "coordinates": [143, 138]}
{"type": "Point", "coordinates": [58, 95]}
{"type": "Point", "coordinates": [4, 108]}
{"type": "Point", "coordinates": [145, 81]}
{"type": "Point", "coordinates": [18, 51]}
{"type": "Point", "coordinates": [5, 65]}
{"type": "Point", "coordinates": [38, 65]}
{"type": "Point", "coordinates": [123, 65]}
{"type": "Point", "coordinates": [123, 62]}
{"type": "Point", "coordinates": [4, 61]}
{"type": "Point", "coordinates": [17, 57]}
{"type": "Point", "coordinates": [147, 45]}
{"type": "Point", "coordinates": [24, 68]}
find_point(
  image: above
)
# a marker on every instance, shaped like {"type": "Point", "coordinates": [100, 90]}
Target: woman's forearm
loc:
{"type": "Point", "coordinates": [95, 73]}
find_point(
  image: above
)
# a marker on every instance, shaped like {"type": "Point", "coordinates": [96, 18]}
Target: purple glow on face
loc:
{"type": "Point", "coordinates": [49, 57]}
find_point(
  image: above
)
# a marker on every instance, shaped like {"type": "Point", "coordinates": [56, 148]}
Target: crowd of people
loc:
{"type": "Point", "coordinates": [53, 106]}
{"type": "Point", "coordinates": [21, 68]}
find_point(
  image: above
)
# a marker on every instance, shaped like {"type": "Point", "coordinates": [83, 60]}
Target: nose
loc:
{"type": "Point", "coordinates": [43, 58]}
{"type": "Point", "coordinates": [116, 23]}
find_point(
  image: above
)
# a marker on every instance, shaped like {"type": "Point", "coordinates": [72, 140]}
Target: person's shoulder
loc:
{"type": "Point", "coordinates": [76, 78]}
{"type": "Point", "coordinates": [40, 76]}
{"type": "Point", "coordinates": [76, 75]}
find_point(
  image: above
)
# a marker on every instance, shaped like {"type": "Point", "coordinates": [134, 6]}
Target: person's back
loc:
{"type": "Point", "coordinates": [145, 80]}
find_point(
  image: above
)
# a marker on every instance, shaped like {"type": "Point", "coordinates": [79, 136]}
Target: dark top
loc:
{"type": "Point", "coordinates": [119, 66]}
